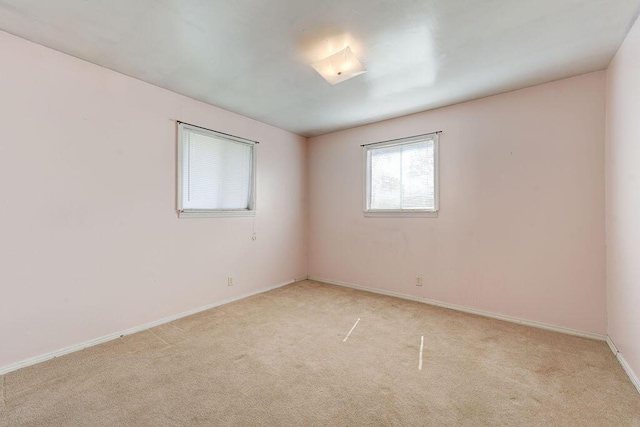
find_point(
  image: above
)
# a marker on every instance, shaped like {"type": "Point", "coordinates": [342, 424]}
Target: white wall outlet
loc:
{"type": "Point", "coordinates": [254, 236]}
{"type": "Point", "coordinates": [418, 280]}
{"type": "Point", "coordinates": [229, 281]}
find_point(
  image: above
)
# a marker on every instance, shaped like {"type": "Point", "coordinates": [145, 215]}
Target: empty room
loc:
{"type": "Point", "coordinates": [320, 213]}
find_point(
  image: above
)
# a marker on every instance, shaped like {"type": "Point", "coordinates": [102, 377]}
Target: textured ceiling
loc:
{"type": "Point", "coordinates": [252, 56]}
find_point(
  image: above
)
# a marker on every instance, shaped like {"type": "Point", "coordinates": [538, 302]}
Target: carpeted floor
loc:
{"type": "Point", "coordinates": [281, 359]}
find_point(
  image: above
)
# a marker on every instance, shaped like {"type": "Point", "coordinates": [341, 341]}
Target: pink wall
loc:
{"type": "Point", "coordinates": [623, 199]}
{"type": "Point", "coordinates": [521, 226]}
{"type": "Point", "coordinates": [90, 241]}
{"type": "Point", "coordinates": [91, 244]}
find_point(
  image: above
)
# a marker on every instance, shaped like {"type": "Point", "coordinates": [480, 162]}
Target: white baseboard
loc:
{"type": "Point", "coordinates": [44, 357]}
{"type": "Point", "coordinates": [539, 325]}
{"type": "Point", "coordinates": [612, 346]}
{"type": "Point", "coordinates": [625, 365]}
{"type": "Point", "coordinates": [106, 338]}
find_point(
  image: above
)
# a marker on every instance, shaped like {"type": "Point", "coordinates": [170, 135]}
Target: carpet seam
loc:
{"type": "Point", "coordinates": [4, 412]}
{"type": "Point", "coordinates": [175, 326]}
{"type": "Point", "coordinates": [4, 392]}
{"type": "Point", "coordinates": [159, 337]}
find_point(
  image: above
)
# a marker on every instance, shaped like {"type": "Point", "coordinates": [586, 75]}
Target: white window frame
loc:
{"type": "Point", "coordinates": [433, 213]}
{"type": "Point", "coordinates": [214, 213]}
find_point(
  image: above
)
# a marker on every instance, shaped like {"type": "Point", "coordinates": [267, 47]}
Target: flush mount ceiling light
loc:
{"type": "Point", "coordinates": [339, 67]}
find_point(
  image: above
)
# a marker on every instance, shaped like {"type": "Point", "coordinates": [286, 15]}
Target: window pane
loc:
{"type": "Point", "coordinates": [386, 174]}
{"type": "Point", "coordinates": [218, 172]}
{"type": "Point", "coordinates": [417, 176]}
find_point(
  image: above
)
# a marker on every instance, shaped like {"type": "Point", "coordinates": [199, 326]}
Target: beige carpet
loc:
{"type": "Point", "coordinates": [280, 359]}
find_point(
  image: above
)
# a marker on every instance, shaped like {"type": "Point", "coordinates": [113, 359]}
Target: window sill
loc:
{"type": "Point", "coordinates": [215, 214]}
{"type": "Point", "coordinates": [398, 214]}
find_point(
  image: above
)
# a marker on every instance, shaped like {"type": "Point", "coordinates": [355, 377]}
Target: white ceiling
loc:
{"type": "Point", "coordinates": [252, 56]}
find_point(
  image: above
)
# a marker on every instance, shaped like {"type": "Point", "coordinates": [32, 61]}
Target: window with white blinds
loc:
{"type": "Point", "coordinates": [216, 173]}
{"type": "Point", "coordinates": [401, 176]}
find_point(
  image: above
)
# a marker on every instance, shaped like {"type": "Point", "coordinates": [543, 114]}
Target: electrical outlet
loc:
{"type": "Point", "coordinates": [418, 280]}
{"type": "Point", "coordinates": [229, 281]}
{"type": "Point", "coordinates": [254, 236]}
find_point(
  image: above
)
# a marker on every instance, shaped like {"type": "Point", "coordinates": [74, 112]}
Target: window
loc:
{"type": "Point", "coordinates": [401, 177]}
{"type": "Point", "coordinates": [216, 173]}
